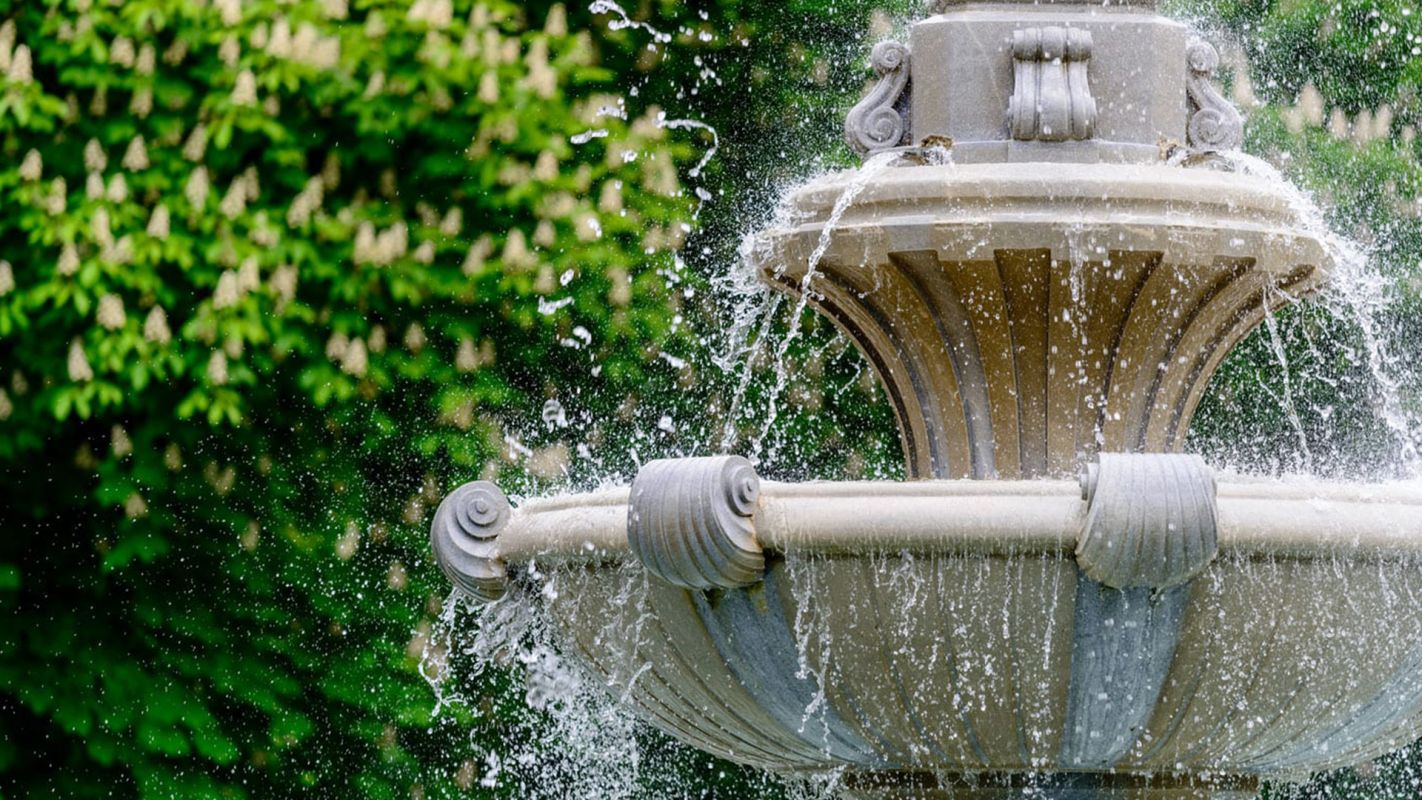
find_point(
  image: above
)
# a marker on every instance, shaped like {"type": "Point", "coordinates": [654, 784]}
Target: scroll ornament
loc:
{"type": "Point", "coordinates": [690, 521]}
{"type": "Point", "coordinates": [1051, 99]}
{"type": "Point", "coordinates": [1215, 124]}
{"type": "Point", "coordinates": [881, 120]}
{"type": "Point", "coordinates": [1150, 520]}
{"type": "Point", "coordinates": [464, 535]}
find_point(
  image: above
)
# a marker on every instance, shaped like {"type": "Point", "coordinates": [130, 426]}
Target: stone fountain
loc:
{"type": "Point", "coordinates": [1045, 257]}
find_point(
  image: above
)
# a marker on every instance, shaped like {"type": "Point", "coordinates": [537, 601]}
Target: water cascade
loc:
{"type": "Point", "coordinates": [1048, 254]}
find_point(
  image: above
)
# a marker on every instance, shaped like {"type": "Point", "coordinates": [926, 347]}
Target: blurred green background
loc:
{"type": "Point", "coordinates": [275, 275]}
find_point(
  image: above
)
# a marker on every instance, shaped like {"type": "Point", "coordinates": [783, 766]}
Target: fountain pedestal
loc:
{"type": "Point", "coordinates": [1045, 257]}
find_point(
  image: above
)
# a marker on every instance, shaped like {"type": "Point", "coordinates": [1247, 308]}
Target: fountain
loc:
{"type": "Point", "coordinates": [1046, 255]}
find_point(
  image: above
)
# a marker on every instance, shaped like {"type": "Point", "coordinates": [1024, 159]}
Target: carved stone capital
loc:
{"type": "Point", "coordinates": [881, 120]}
{"type": "Point", "coordinates": [1215, 123]}
{"type": "Point", "coordinates": [690, 521]}
{"type": "Point", "coordinates": [464, 534]}
{"type": "Point", "coordinates": [1150, 520]}
{"type": "Point", "coordinates": [1051, 99]}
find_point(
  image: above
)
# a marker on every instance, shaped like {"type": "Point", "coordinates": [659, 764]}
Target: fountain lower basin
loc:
{"type": "Point", "coordinates": [937, 638]}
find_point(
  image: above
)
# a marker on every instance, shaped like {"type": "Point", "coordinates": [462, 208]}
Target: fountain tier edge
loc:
{"type": "Point", "coordinates": [921, 633]}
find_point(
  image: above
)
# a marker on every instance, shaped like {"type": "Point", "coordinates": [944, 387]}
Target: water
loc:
{"type": "Point", "coordinates": [571, 734]}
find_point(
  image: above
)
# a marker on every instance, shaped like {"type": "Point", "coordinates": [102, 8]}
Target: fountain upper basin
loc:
{"type": "Point", "coordinates": [1024, 316]}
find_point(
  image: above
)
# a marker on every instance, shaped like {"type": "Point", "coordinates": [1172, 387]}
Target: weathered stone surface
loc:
{"type": "Point", "coordinates": [1150, 521]}
{"type": "Point", "coordinates": [690, 521]}
{"type": "Point", "coordinates": [465, 534]}
{"type": "Point", "coordinates": [1025, 317]}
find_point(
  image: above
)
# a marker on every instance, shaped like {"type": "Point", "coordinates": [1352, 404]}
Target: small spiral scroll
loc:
{"type": "Point", "coordinates": [1214, 124]}
{"type": "Point", "coordinates": [691, 521]}
{"type": "Point", "coordinates": [464, 534]}
{"type": "Point", "coordinates": [1150, 520]}
{"type": "Point", "coordinates": [880, 120]}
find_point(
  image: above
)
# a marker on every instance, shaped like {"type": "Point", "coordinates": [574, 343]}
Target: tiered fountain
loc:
{"type": "Point", "coordinates": [1045, 259]}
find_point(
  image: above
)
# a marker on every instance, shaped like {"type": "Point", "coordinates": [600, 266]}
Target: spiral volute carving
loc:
{"type": "Point", "coordinates": [691, 521]}
{"type": "Point", "coordinates": [1215, 123]}
{"type": "Point", "coordinates": [877, 122]}
{"type": "Point", "coordinates": [464, 535]}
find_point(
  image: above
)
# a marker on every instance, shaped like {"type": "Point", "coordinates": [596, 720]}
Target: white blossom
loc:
{"type": "Point", "coordinates": [7, 278]}
{"type": "Point", "coordinates": [217, 368]}
{"type": "Point", "coordinates": [556, 23]}
{"type": "Point", "coordinates": [249, 275]}
{"type": "Point", "coordinates": [135, 158]}
{"type": "Point", "coordinates": [196, 144]}
{"type": "Point", "coordinates": [155, 326]}
{"type": "Point", "coordinates": [120, 442]}
{"type": "Point", "coordinates": [467, 358]}
{"type": "Point", "coordinates": [121, 51]}
{"type": "Point", "coordinates": [197, 188]}
{"type": "Point", "coordinates": [235, 201]}
{"type": "Point", "coordinates": [283, 282]}
{"type": "Point", "coordinates": [110, 313]}
{"type": "Point", "coordinates": [32, 167]}
{"type": "Point", "coordinates": [435, 13]}
{"type": "Point", "coordinates": [78, 366]}
{"type": "Point", "coordinates": [147, 60]}
{"type": "Point", "coordinates": [354, 361]}
{"type": "Point", "coordinates": [135, 506]}
{"type": "Point", "coordinates": [117, 192]}
{"type": "Point", "coordinates": [68, 260]}
{"type": "Point", "coordinates": [142, 103]}
{"type": "Point", "coordinates": [227, 292]}
{"type": "Point", "coordinates": [99, 227]}
{"type": "Point", "coordinates": [158, 222]}
{"type": "Point", "coordinates": [58, 197]}
{"type": "Point", "coordinates": [231, 11]}
{"type": "Point", "coordinates": [21, 70]}
{"type": "Point", "coordinates": [95, 159]}
{"type": "Point", "coordinates": [244, 93]}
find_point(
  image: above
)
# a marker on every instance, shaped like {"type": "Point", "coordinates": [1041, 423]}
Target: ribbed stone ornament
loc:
{"type": "Point", "coordinates": [690, 521]}
{"type": "Point", "coordinates": [1150, 521]}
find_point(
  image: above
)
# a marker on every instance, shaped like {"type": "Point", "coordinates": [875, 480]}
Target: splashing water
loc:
{"type": "Point", "coordinates": [860, 179]}
{"type": "Point", "coordinates": [1357, 292]}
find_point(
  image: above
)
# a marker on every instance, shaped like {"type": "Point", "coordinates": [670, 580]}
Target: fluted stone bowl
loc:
{"type": "Point", "coordinates": [942, 639]}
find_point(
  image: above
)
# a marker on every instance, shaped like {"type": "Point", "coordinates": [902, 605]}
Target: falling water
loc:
{"type": "Point", "coordinates": [1357, 293]}
{"type": "Point", "coordinates": [574, 738]}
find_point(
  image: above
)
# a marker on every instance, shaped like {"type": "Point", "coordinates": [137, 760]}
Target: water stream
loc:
{"type": "Point", "coordinates": [573, 737]}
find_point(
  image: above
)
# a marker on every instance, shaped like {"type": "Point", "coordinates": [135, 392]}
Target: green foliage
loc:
{"type": "Point", "coordinates": [276, 275]}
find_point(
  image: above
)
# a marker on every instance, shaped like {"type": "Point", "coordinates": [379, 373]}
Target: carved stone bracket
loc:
{"type": "Point", "coordinates": [1215, 123]}
{"type": "Point", "coordinates": [881, 120]}
{"type": "Point", "coordinates": [464, 533]}
{"type": "Point", "coordinates": [691, 521]}
{"type": "Point", "coordinates": [1150, 520]}
{"type": "Point", "coordinates": [1051, 100]}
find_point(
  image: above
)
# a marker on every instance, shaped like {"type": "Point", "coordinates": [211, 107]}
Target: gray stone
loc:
{"type": "Point", "coordinates": [689, 521]}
